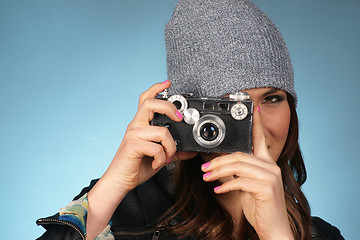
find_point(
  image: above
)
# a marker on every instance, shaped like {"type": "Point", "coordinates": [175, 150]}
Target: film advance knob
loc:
{"type": "Point", "coordinates": [179, 101]}
{"type": "Point", "coordinates": [239, 111]}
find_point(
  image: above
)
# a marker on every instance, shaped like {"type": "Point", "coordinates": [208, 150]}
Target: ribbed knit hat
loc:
{"type": "Point", "coordinates": [215, 47]}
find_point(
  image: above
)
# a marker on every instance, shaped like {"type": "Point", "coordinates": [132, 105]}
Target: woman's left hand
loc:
{"type": "Point", "coordinates": [258, 180]}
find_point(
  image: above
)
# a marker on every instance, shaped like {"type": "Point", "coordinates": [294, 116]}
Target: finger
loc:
{"type": "Point", "coordinates": [259, 142]}
{"type": "Point", "coordinates": [151, 106]}
{"type": "Point", "coordinates": [241, 169]}
{"type": "Point", "coordinates": [154, 150]}
{"type": "Point", "coordinates": [222, 160]}
{"type": "Point", "coordinates": [153, 91]}
{"type": "Point", "coordinates": [180, 155]}
{"type": "Point", "coordinates": [235, 157]}
{"type": "Point", "coordinates": [134, 148]}
{"type": "Point", "coordinates": [260, 189]}
{"type": "Point", "coordinates": [159, 135]}
{"type": "Point", "coordinates": [241, 184]}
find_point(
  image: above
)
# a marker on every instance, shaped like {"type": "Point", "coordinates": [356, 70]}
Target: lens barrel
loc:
{"type": "Point", "coordinates": [209, 131]}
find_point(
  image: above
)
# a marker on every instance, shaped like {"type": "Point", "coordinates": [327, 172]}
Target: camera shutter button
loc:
{"type": "Point", "coordinates": [191, 115]}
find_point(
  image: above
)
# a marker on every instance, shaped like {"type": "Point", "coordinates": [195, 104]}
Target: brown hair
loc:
{"type": "Point", "coordinates": [207, 218]}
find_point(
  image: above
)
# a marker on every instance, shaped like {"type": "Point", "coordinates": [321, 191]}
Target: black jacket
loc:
{"type": "Point", "coordinates": [135, 217]}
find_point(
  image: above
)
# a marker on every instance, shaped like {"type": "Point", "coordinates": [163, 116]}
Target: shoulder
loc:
{"type": "Point", "coordinates": [323, 230]}
{"type": "Point", "coordinates": [139, 211]}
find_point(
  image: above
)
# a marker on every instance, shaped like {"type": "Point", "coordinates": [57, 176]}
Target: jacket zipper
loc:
{"type": "Point", "coordinates": [156, 232]}
{"type": "Point", "coordinates": [158, 229]}
{"type": "Point", "coordinates": [155, 236]}
{"type": "Point", "coordinates": [45, 221]}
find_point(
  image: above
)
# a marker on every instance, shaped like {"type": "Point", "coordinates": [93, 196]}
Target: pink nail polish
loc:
{"type": "Point", "coordinates": [217, 188]}
{"type": "Point", "coordinates": [179, 115]}
{"type": "Point", "coordinates": [165, 81]}
{"type": "Point", "coordinates": [206, 175]}
{"type": "Point", "coordinates": [169, 160]}
{"type": "Point", "coordinates": [205, 165]}
{"type": "Point", "coordinates": [259, 109]}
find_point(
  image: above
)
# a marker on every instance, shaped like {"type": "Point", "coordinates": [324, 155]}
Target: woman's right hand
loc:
{"type": "Point", "coordinates": [142, 152]}
{"type": "Point", "coordinates": [145, 148]}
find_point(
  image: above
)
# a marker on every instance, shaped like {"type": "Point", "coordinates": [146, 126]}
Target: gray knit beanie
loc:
{"type": "Point", "coordinates": [215, 47]}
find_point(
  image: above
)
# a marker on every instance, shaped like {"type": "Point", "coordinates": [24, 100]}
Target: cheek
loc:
{"type": "Point", "coordinates": [277, 124]}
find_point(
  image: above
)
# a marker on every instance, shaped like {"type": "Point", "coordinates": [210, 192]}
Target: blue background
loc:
{"type": "Point", "coordinates": [70, 76]}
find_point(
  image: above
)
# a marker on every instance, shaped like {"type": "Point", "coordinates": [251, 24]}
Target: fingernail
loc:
{"type": "Point", "coordinates": [259, 109]}
{"type": "Point", "coordinates": [169, 160]}
{"type": "Point", "coordinates": [206, 175]}
{"type": "Point", "coordinates": [205, 165]}
{"type": "Point", "coordinates": [165, 81]}
{"type": "Point", "coordinates": [179, 115]}
{"type": "Point", "coordinates": [217, 188]}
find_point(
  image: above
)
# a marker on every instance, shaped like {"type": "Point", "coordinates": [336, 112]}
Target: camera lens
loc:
{"type": "Point", "coordinates": [209, 131]}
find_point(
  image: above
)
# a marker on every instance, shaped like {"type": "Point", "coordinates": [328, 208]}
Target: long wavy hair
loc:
{"type": "Point", "coordinates": [203, 215]}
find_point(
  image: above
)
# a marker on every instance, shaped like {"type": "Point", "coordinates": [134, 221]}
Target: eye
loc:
{"type": "Point", "coordinates": [273, 99]}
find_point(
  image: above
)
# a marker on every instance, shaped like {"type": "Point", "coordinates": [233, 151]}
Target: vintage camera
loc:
{"type": "Point", "coordinates": [210, 124]}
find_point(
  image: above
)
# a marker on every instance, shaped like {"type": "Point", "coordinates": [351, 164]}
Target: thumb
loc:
{"type": "Point", "coordinates": [259, 142]}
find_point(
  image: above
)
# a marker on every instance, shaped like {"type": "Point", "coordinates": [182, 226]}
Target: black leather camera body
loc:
{"type": "Point", "coordinates": [210, 124]}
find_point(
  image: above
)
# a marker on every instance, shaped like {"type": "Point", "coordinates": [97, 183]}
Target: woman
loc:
{"type": "Point", "coordinates": [248, 180]}
{"type": "Point", "coordinates": [213, 48]}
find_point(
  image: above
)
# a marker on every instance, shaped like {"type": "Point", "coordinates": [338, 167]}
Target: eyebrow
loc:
{"type": "Point", "coordinates": [271, 91]}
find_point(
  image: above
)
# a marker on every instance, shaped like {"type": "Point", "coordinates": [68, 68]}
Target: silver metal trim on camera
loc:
{"type": "Point", "coordinates": [216, 121]}
{"type": "Point", "coordinates": [181, 99]}
{"type": "Point", "coordinates": [165, 93]}
{"type": "Point", "coordinates": [240, 96]}
{"type": "Point", "coordinates": [239, 111]}
{"type": "Point", "coordinates": [191, 115]}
